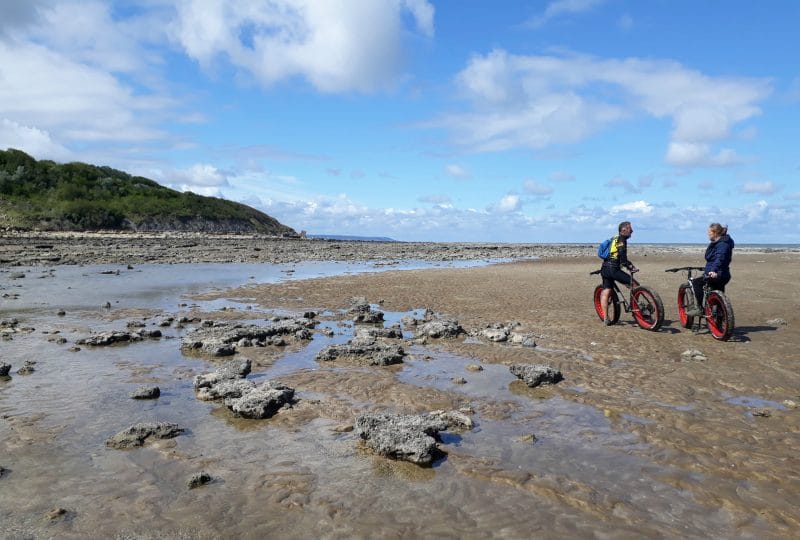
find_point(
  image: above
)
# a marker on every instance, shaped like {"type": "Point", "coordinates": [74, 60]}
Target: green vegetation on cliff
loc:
{"type": "Point", "coordinates": [45, 195]}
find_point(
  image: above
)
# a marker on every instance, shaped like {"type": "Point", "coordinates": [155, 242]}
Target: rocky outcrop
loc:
{"type": "Point", "coordinates": [110, 338]}
{"type": "Point", "coordinates": [223, 338]}
{"type": "Point", "coordinates": [367, 352]}
{"type": "Point", "coordinates": [536, 374]}
{"type": "Point", "coordinates": [146, 392]}
{"type": "Point", "coordinates": [137, 434]}
{"type": "Point", "coordinates": [242, 396]}
{"type": "Point", "coordinates": [402, 437]}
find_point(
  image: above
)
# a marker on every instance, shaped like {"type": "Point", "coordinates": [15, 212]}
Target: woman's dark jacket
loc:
{"type": "Point", "coordinates": [718, 256]}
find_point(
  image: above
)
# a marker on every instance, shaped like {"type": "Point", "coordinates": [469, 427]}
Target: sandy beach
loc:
{"type": "Point", "coordinates": [639, 440]}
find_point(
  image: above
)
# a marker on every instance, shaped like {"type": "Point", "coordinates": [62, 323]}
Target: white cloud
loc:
{"type": "Point", "coordinates": [70, 101]}
{"type": "Point", "coordinates": [763, 188]}
{"type": "Point", "coordinates": [634, 207]}
{"type": "Point", "coordinates": [337, 45]}
{"type": "Point", "coordinates": [540, 101]}
{"type": "Point", "coordinates": [31, 140]}
{"type": "Point", "coordinates": [539, 190]}
{"type": "Point", "coordinates": [691, 154]}
{"type": "Point", "coordinates": [509, 203]}
{"type": "Point", "coordinates": [206, 191]}
{"type": "Point", "coordinates": [81, 73]}
{"type": "Point", "coordinates": [457, 171]}
{"type": "Point", "coordinates": [665, 223]}
{"type": "Point", "coordinates": [557, 8]}
{"type": "Point", "coordinates": [423, 12]}
{"type": "Point", "coordinates": [200, 175]}
{"type": "Point", "coordinates": [436, 199]}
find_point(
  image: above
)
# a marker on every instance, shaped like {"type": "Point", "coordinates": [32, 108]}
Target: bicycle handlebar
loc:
{"type": "Point", "coordinates": [631, 271]}
{"type": "Point", "coordinates": [684, 268]}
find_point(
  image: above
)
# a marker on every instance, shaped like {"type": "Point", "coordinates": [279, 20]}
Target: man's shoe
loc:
{"type": "Point", "coordinates": [693, 312]}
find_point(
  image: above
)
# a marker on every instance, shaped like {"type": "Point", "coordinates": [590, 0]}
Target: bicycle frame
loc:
{"type": "Point", "coordinates": [627, 303]}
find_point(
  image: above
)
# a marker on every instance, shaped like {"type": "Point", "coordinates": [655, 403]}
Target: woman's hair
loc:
{"type": "Point", "coordinates": [718, 229]}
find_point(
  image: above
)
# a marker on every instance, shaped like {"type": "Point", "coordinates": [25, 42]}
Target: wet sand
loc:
{"type": "Point", "coordinates": [636, 442]}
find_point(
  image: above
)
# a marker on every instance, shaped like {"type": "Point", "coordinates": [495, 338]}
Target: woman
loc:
{"type": "Point", "coordinates": [717, 272]}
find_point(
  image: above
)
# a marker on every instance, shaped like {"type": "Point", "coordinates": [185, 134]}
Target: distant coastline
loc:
{"type": "Point", "coordinates": [348, 237]}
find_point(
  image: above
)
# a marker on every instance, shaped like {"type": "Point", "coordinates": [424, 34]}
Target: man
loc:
{"type": "Point", "coordinates": [611, 270]}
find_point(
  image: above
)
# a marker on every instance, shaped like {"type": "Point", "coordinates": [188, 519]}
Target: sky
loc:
{"type": "Point", "coordinates": [427, 120]}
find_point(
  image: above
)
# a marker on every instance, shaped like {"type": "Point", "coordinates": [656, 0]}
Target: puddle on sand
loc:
{"type": "Point", "coordinates": [754, 402]}
{"type": "Point", "coordinates": [529, 449]}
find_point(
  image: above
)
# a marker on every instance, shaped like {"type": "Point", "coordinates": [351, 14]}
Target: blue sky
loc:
{"type": "Point", "coordinates": [458, 120]}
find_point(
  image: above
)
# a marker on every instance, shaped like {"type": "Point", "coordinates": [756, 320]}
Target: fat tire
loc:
{"type": "Point", "coordinates": [719, 315]}
{"type": "Point", "coordinates": [685, 299]}
{"type": "Point", "coordinates": [653, 315]}
{"type": "Point", "coordinates": [613, 304]}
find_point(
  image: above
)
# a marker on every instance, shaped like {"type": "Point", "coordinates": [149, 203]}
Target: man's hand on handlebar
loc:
{"type": "Point", "coordinates": [712, 275]}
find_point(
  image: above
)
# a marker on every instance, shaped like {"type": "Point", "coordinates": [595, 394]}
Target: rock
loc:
{"type": "Point", "coordinates": [788, 403]}
{"type": "Point", "coordinates": [262, 401]}
{"type": "Point", "coordinates": [221, 339]}
{"type": "Point", "coordinates": [110, 338]}
{"type": "Point", "coordinates": [371, 332]}
{"type": "Point", "coordinates": [362, 312]}
{"type": "Point", "coordinates": [4, 369]}
{"type": "Point", "coordinates": [777, 322]}
{"type": "Point", "coordinates": [137, 434]}
{"type": "Point", "coordinates": [765, 413]}
{"type": "Point", "coordinates": [536, 374]}
{"type": "Point", "coordinates": [225, 390]}
{"type": "Point", "coordinates": [228, 372]}
{"type": "Point", "coordinates": [693, 354]}
{"type": "Point", "coordinates": [494, 334]}
{"type": "Point", "coordinates": [458, 380]}
{"type": "Point", "coordinates": [146, 392]}
{"type": "Point", "coordinates": [474, 367]}
{"type": "Point", "coordinates": [27, 368]}
{"type": "Point", "coordinates": [460, 418]}
{"type": "Point", "coordinates": [408, 321]}
{"type": "Point", "coordinates": [439, 328]}
{"type": "Point", "coordinates": [407, 438]}
{"type": "Point", "coordinates": [198, 479]}
{"type": "Point", "coordinates": [371, 354]}
{"type": "Point", "coordinates": [526, 340]}
{"type": "Point", "coordinates": [56, 513]}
